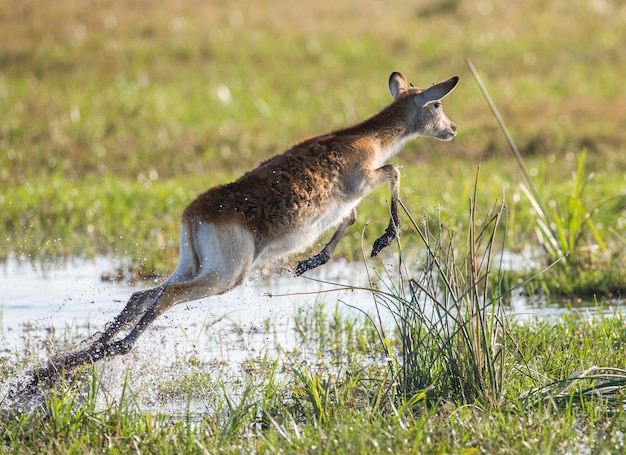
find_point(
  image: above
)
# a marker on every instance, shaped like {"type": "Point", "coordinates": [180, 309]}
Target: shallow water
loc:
{"type": "Point", "coordinates": [35, 299]}
{"type": "Point", "coordinates": [253, 320]}
{"type": "Point", "coordinates": [68, 302]}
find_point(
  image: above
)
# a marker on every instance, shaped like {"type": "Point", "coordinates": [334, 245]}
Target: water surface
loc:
{"type": "Point", "coordinates": [37, 298]}
{"type": "Point", "coordinates": [41, 305]}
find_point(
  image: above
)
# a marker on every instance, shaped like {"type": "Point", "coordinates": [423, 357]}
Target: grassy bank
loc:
{"type": "Point", "coordinates": [339, 399]}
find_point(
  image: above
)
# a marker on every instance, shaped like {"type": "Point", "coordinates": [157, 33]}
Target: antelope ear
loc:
{"type": "Point", "coordinates": [437, 91]}
{"type": "Point", "coordinates": [397, 83]}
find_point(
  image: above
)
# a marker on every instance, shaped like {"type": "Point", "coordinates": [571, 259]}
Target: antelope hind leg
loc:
{"type": "Point", "coordinates": [58, 365]}
{"type": "Point", "coordinates": [125, 344]}
{"type": "Point", "coordinates": [137, 305]}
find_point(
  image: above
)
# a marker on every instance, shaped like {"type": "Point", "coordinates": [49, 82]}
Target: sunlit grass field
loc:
{"type": "Point", "coordinates": [116, 114]}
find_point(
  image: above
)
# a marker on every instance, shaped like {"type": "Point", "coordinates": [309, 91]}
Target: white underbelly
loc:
{"type": "Point", "coordinates": [310, 230]}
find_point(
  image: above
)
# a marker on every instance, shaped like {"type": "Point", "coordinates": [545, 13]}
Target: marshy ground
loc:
{"type": "Point", "coordinates": [116, 115]}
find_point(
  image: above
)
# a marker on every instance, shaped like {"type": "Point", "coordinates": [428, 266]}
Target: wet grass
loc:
{"type": "Point", "coordinates": [343, 399]}
{"type": "Point", "coordinates": [454, 371]}
{"type": "Point", "coordinates": [102, 217]}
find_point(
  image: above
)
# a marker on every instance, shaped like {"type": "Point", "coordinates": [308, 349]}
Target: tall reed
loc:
{"type": "Point", "coordinates": [559, 228]}
{"type": "Point", "coordinates": [453, 336]}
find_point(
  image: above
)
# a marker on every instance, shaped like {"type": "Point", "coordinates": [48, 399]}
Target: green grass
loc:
{"type": "Point", "coordinates": [462, 376]}
{"type": "Point", "coordinates": [340, 400]}
{"type": "Point", "coordinates": [566, 231]}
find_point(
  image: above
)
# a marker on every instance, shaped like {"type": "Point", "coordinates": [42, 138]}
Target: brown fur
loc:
{"type": "Point", "coordinates": [280, 192]}
{"type": "Point", "coordinates": [285, 192]}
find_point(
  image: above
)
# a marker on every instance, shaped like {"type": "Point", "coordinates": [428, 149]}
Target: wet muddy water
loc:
{"type": "Point", "coordinates": [256, 319]}
{"type": "Point", "coordinates": [36, 298]}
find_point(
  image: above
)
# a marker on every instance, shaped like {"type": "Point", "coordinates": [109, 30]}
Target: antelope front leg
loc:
{"type": "Point", "coordinates": [323, 256]}
{"type": "Point", "coordinates": [392, 175]}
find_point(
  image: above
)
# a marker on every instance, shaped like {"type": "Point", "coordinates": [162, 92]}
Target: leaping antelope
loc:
{"type": "Point", "coordinates": [282, 206]}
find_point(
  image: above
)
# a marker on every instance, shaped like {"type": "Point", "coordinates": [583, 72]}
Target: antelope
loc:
{"type": "Point", "coordinates": [281, 207]}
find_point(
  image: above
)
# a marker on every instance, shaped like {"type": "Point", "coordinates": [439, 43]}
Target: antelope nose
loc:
{"type": "Point", "coordinates": [453, 126]}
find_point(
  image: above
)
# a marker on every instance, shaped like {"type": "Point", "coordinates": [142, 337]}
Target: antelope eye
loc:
{"type": "Point", "coordinates": [437, 105]}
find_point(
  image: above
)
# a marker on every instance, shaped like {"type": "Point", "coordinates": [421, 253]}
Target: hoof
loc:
{"type": "Point", "coordinates": [382, 242]}
{"type": "Point", "coordinates": [311, 263]}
